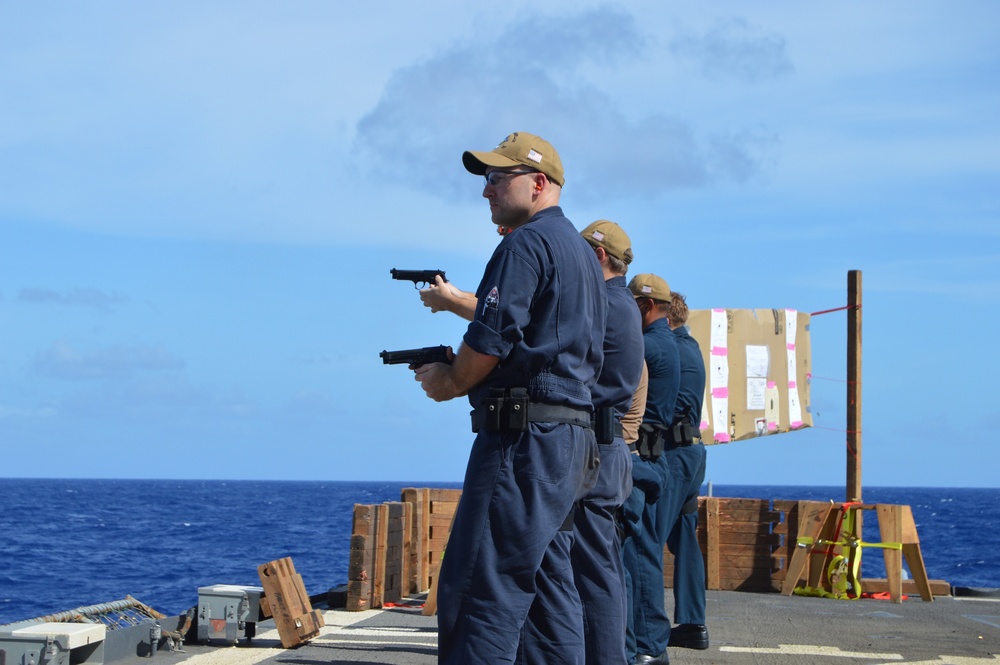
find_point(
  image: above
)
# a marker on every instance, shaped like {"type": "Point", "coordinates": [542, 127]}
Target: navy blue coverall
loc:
{"type": "Point", "coordinates": [542, 309]}
{"type": "Point", "coordinates": [649, 627]}
{"type": "Point", "coordinates": [596, 552]}
{"type": "Point", "coordinates": [677, 510]}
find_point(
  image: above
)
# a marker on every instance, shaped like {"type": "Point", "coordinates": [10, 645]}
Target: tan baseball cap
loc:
{"type": "Point", "coordinates": [518, 149]}
{"type": "Point", "coordinates": [648, 285]}
{"type": "Point", "coordinates": [610, 236]}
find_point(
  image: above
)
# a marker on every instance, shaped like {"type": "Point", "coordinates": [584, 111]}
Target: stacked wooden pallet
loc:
{"type": "Point", "coordinates": [748, 545]}
{"type": "Point", "coordinates": [396, 547]}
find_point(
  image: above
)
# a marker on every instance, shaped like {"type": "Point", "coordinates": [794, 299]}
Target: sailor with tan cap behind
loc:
{"type": "Point", "coordinates": [649, 627]}
{"type": "Point", "coordinates": [596, 553]}
{"type": "Point", "coordinates": [528, 362]}
{"type": "Point", "coordinates": [686, 460]}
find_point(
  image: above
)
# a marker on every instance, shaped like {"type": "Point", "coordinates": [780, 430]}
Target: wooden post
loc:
{"type": "Point", "coordinates": [713, 575]}
{"type": "Point", "coordinates": [418, 499]}
{"type": "Point", "coordinates": [381, 544]}
{"type": "Point", "coordinates": [397, 551]}
{"type": "Point", "coordinates": [854, 386]}
{"type": "Point", "coordinates": [896, 525]}
{"type": "Point", "coordinates": [430, 604]}
{"type": "Point", "coordinates": [361, 566]}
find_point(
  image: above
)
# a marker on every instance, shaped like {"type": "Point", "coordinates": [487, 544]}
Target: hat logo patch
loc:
{"type": "Point", "coordinates": [509, 139]}
{"type": "Point", "coordinates": [647, 289]}
{"type": "Point", "coordinates": [535, 156]}
{"type": "Point", "coordinates": [597, 235]}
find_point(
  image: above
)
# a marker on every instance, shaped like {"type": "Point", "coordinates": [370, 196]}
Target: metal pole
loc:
{"type": "Point", "coordinates": [854, 385]}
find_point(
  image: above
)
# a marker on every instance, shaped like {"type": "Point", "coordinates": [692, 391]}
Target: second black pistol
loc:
{"type": "Point", "coordinates": [416, 357]}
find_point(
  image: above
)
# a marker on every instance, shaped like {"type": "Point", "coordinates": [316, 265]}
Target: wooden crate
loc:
{"type": "Point", "coordinates": [397, 552]}
{"type": "Point", "coordinates": [442, 505]}
{"type": "Point", "coordinates": [361, 563]}
{"type": "Point", "coordinates": [419, 501]}
{"type": "Point", "coordinates": [748, 544]}
{"type": "Point", "coordinates": [378, 570]}
{"type": "Point", "coordinates": [738, 543]}
{"type": "Point", "coordinates": [396, 547]}
{"type": "Point", "coordinates": [288, 603]}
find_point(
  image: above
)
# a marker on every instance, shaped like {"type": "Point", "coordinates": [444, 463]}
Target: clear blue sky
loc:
{"type": "Point", "coordinates": [200, 204]}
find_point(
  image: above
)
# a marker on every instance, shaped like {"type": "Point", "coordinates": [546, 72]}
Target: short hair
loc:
{"type": "Point", "coordinates": [616, 265]}
{"type": "Point", "coordinates": [678, 313]}
{"type": "Point", "coordinates": [660, 306]}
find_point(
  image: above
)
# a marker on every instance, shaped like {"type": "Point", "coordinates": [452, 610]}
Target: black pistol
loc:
{"type": "Point", "coordinates": [418, 277]}
{"type": "Point", "coordinates": [416, 357]}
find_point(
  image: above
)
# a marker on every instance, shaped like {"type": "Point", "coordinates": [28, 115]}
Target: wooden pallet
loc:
{"type": "Point", "coordinates": [287, 601]}
{"type": "Point", "coordinates": [748, 545]}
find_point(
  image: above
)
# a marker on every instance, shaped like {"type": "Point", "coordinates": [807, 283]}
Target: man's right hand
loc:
{"type": "Point", "coordinates": [443, 382]}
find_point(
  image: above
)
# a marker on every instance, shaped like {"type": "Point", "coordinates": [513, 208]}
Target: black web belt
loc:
{"type": "Point", "coordinates": [509, 410]}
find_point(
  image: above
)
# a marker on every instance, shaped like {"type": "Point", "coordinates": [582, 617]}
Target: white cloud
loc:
{"type": "Point", "coordinates": [735, 49]}
{"type": "Point", "coordinates": [431, 111]}
{"type": "Point", "coordinates": [83, 297]}
{"type": "Point", "coordinates": [18, 412]}
{"type": "Point", "coordinates": [63, 360]}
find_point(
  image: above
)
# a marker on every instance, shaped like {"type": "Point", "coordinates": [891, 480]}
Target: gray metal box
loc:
{"type": "Point", "coordinates": [52, 644]}
{"type": "Point", "coordinates": [228, 612]}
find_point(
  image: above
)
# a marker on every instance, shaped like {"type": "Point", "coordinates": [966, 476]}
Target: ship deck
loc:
{"type": "Point", "coordinates": [744, 628]}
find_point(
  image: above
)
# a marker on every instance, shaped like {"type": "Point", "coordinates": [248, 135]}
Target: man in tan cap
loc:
{"type": "Point", "coordinates": [541, 309]}
{"type": "Point", "coordinates": [649, 627]}
{"type": "Point", "coordinates": [597, 555]}
{"type": "Point", "coordinates": [596, 551]}
{"type": "Point", "coordinates": [518, 154]}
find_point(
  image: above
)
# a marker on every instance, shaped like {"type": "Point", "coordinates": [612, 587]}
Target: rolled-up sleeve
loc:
{"type": "Point", "coordinates": [504, 304]}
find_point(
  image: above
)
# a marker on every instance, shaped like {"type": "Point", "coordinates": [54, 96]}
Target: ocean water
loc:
{"type": "Point", "coordinates": [70, 543]}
